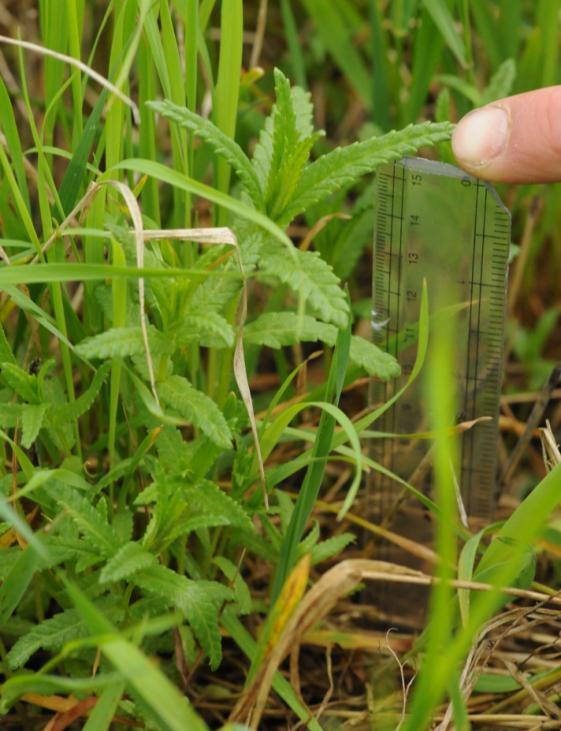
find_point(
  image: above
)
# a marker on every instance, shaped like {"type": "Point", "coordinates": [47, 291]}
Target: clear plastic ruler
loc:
{"type": "Point", "coordinates": [435, 223]}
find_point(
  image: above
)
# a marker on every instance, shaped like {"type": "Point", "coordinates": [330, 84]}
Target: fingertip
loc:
{"type": "Point", "coordinates": [481, 136]}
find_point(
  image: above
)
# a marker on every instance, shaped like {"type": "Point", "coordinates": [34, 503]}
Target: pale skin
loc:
{"type": "Point", "coordinates": [513, 140]}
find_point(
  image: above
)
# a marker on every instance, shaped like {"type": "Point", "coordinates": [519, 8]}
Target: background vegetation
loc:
{"type": "Point", "coordinates": [182, 411]}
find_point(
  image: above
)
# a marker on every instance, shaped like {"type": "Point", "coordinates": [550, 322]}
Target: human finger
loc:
{"type": "Point", "coordinates": [514, 140]}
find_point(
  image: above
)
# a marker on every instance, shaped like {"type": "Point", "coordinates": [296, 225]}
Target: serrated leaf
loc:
{"type": "Point", "coordinates": [73, 410]}
{"type": "Point", "coordinates": [91, 524]}
{"type": "Point", "coordinates": [278, 329]}
{"type": "Point", "coordinates": [208, 329]}
{"type": "Point", "coordinates": [128, 560]}
{"type": "Point", "coordinates": [303, 111]}
{"type": "Point", "coordinates": [222, 144]}
{"type": "Point", "coordinates": [196, 408]}
{"type": "Point", "coordinates": [289, 148]}
{"type": "Point", "coordinates": [214, 294]}
{"type": "Point", "coordinates": [207, 498]}
{"type": "Point", "coordinates": [375, 362]}
{"type": "Point", "coordinates": [198, 601]}
{"type": "Point", "coordinates": [32, 417]}
{"type": "Point", "coordinates": [330, 547]}
{"type": "Point", "coordinates": [345, 165]}
{"type": "Point", "coordinates": [288, 176]}
{"type": "Point", "coordinates": [51, 634]}
{"type": "Point", "coordinates": [311, 278]}
{"type": "Point", "coordinates": [285, 134]}
{"type": "Point", "coordinates": [263, 152]}
{"type": "Point", "coordinates": [21, 382]}
{"type": "Point", "coordinates": [120, 342]}
{"type": "Point", "coordinates": [284, 144]}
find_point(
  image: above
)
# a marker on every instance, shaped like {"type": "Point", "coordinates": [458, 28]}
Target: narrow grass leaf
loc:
{"type": "Point", "coordinates": [442, 17]}
{"type": "Point", "coordinates": [314, 475]}
{"type": "Point", "coordinates": [174, 178]}
{"type": "Point", "coordinates": [101, 717]}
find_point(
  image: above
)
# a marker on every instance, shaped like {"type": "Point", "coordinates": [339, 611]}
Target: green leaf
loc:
{"type": "Point", "coordinates": [374, 361]}
{"type": "Point", "coordinates": [207, 498]}
{"type": "Point", "coordinates": [278, 329]}
{"type": "Point", "coordinates": [196, 408]}
{"type": "Point", "coordinates": [442, 17]}
{"type": "Point", "coordinates": [32, 418]}
{"type": "Point", "coordinates": [199, 601]}
{"type": "Point", "coordinates": [75, 409]}
{"type": "Point", "coordinates": [76, 170]}
{"type": "Point", "coordinates": [338, 38]}
{"type": "Point", "coordinates": [18, 579]}
{"type": "Point", "coordinates": [89, 521]}
{"type": "Point", "coordinates": [241, 589]}
{"type": "Point", "coordinates": [10, 414]}
{"type": "Point", "coordinates": [309, 277]}
{"type": "Point", "coordinates": [128, 560]}
{"type": "Point", "coordinates": [501, 82]}
{"type": "Point", "coordinates": [490, 683]}
{"type": "Point", "coordinates": [171, 708]}
{"type": "Point", "coordinates": [284, 146]}
{"type": "Point", "coordinates": [331, 547]}
{"type": "Point", "coordinates": [20, 381]}
{"type": "Point", "coordinates": [222, 144]}
{"type": "Point", "coordinates": [120, 342]}
{"type": "Point", "coordinates": [207, 328]}
{"type": "Point", "coordinates": [309, 490]}
{"type": "Point", "coordinates": [345, 165]}
{"type": "Point", "coordinates": [51, 634]}
{"type": "Point", "coordinates": [183, 182]}
{"type": "Point", "coordinates": [6, 354]}
{"type": "Point", "coordinates": [101, 716]}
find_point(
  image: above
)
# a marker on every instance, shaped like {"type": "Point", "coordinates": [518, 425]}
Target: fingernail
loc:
{"type": "Point", "coordinates": [481, 135]}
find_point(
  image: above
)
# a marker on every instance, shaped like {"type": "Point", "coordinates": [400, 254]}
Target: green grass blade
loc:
{"type": "Point", "coordinates": [228, 83]}
{"type": "Point", "coordinates": [76, 171]}
{"type": "Point", "coordinates": [335, 34]}
{"type": "Point", "coordinates": [444, 21]}
{"type": "Point", "coordinates": [102, 714]}
{"type": "Point", "coordinates": [381, 98]}
{"type": "Point", "coordinates": [297, 64]}
{"type": "Point", "coordinates": [247, 644]}
{"type": "Point", "coordinates": [314, 475]}
{"type": "Point", "coordinates": [9, 127]}
{"type": "Point", "coordinates": [170, 707]}
{"type": "Point", "coordinates": [175, 178]}
{"type": "Point", "coordinates": [427, 51]}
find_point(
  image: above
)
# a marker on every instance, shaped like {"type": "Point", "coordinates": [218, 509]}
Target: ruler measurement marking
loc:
{"type": "Point", "coordinates": [407, 232]}
{"type": "Point", "coordinates": [478, 340]}
{"type": "Point", "coordinates": [467, 411]}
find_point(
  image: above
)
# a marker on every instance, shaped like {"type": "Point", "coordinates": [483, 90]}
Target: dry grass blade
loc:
{"type": "Point", "coordinates": [36, 48]}
{"type": "Point", "coordinates": [320, 599]}
{"type": "Point", "coordinates": [550, 448]}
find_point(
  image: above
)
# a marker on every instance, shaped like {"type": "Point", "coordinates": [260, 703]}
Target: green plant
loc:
{"type": "Point", "coordinates": [123, 335]}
